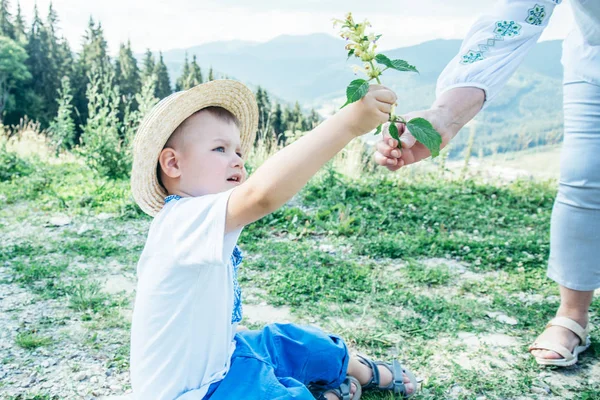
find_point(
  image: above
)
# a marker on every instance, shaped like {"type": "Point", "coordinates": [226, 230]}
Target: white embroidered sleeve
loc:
{"type": "Point", "coordinates": [496, 45]}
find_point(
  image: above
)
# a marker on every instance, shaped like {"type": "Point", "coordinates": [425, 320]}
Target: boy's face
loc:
{"type": "Point", "coordinates": [211, 160]}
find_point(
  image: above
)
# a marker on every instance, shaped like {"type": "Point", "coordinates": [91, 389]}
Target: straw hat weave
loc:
{"type": "Point", "coordinates": [167, 115]}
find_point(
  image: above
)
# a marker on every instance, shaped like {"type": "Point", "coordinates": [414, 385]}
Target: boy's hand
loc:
{"type": "Point", "coordinates": [371, 111]}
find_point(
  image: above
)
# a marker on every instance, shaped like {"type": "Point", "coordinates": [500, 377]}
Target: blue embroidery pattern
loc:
{"type": "Point", "coordinates": [236, 260]}
{"type": "Point", "coordinates": [536, 15]}
{"type": "Point", "coordinates": [507, 28]}
{"type": "Point", "coordinates": [502, 29]}
{"type": "Point", "coordinates": [172, 197]}
{"type": "Point", "coordinates": [471, 57]}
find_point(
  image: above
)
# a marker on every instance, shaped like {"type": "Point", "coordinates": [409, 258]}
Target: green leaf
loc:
{"type": "Point", "coordinates": [356, 90]}
{"type": "Point", "coordinates": [398, 65]}
{"type": "Point", "coordinates": [425, 133]}
{"type": "Point", "coordinates": [350, 53]}
{"type": "Point", "coordinates": [378, 131]}
{"type": "Point", "coordinates": [394, 132]}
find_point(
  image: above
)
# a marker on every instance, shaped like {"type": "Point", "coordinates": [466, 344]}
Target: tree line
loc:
{"type": "Point", "coordinates": [88, 98]}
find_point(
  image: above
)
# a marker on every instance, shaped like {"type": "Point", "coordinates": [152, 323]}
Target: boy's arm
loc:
{"type": "Point", "coordinates": [286, 172]}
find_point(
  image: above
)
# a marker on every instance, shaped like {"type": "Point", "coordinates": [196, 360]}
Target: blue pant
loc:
{"type": "Point", "coordinates": [277, 362]}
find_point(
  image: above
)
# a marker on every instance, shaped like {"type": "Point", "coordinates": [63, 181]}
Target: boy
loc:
{"type": "Point", "coordinates": [188, 172]}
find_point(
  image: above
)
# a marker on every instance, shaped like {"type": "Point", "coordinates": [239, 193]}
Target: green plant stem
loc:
{"type": "Point", "coordinates": [373, 69]}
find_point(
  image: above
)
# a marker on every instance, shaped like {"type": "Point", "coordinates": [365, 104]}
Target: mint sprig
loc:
{"type": "Point", "coordinates": [363, 46]}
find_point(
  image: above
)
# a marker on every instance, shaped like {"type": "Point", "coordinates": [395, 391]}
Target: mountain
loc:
{"type": "Point", "coordinates": [313, 70]}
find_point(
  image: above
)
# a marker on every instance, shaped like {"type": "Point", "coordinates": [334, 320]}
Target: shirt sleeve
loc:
{"type": "Point", "coordinates": [496, 45]}
{"type": "Point", "coordinates": [198, 229]}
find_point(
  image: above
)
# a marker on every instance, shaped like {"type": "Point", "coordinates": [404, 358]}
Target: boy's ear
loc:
{"type": "Point", "coordinates": [169, 162]}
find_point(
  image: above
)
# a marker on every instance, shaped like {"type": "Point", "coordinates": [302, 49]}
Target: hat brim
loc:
{"type": "Point", "coordinates": [160, 123]}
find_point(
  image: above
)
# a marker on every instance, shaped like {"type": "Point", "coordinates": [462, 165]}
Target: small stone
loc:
{"type": "Point", "coordinates": [45, 363]}
{"type": "Point", "coordinates": [81, 376]}
{"type": "Point", "coordinates": [29, 381]}
{"type": "Point", "coordinates": [498, 316]}
{"type": "Point", "coordinates": [108, 372]}
{"type": "Point", "coordinates": [115, 388]}
{"type": "Point", "coordinates": [104, 216]}
{"type": "Point", "coordinates": [541, 390]}
{"type": "Point", "coordinates": [83, 229]}
{"type": "Point", "coordinates": [59, 221]}
{"type": "Point", "coordinates": [94, 379]}
{"type": "Point", "coordinates": [456, 390]}
{"type": "Point", "coordinates": [327, 248]}
{"type": "Point", "coordinates": [47, 385]}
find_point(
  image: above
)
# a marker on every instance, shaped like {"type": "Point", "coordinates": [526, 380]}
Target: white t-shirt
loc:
{"type": "Point", "coordinates": [182, 331]}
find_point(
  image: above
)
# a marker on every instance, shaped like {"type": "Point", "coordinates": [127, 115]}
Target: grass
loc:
{"type": "Point", "coordinates": [30, 340]}
{"type": "Point", "coordinates": [400, 266]}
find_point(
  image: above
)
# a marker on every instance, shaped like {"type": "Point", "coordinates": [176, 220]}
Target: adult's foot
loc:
{"type": "Point", "coordinates": [561, 336]}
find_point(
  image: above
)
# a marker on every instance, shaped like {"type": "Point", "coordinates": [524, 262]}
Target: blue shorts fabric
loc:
{"type": "Point", "coordinates": [277, 362]}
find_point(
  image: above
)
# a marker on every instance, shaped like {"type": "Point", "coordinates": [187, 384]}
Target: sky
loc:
{"type": "Point", "coordinates": [165, 25]}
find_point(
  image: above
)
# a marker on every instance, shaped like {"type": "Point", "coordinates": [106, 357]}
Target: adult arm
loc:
{"type": "Point", "coordinates": [493, 49]}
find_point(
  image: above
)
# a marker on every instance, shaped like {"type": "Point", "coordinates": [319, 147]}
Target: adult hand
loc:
{"type": "Point", "coordinates": [450, 112]}
{"type": "Point", "coordinates": [389, 154]}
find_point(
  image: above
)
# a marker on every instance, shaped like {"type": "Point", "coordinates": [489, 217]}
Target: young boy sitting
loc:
{"type": "Point", "coordinates": [188, 172]}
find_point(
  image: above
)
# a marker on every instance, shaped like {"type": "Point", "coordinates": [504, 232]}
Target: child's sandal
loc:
{"type": "Point", "coordinates": [343, 392]}
{"type": "Point", "coordinates": [396, 386]}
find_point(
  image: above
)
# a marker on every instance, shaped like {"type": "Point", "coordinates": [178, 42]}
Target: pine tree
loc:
{"type": "Point", "coordinates": [182, 81]}
{"type": "Point", "coordinates": [19, 25]}
{"type": "Point", "coordinates": [6, 27]}
{"type": "Point", "coordinates": [288, 119]}
{"type": "Point", "coordinates": [127, 73]}
{"type": "Point", "coordinates": [163, 85]}
{"type": "Point", "coordinates": [101, 143]}
{"type": "Point", "coordinates": [148, 65]}
{"type": "Point", "coordinates": [52, 20]}
{"type": "Point", "coordinates": [264, 110]}
{"type": "Point", "coordinates": [313, 120]}
{"type": "Point", "coordinates": [92, 58]}
{"type": "Point", "coordinates": [62, 129]}
{"type": "Point", "coordinates": [66, 58]}
{"type": "Point", "coordinates": [61, 54]}
{"type": "Point", "coordinates": [195, 73]}
{"type": "Point", "coordinates": [146, 98]}
{"type": "Point", "coordinates": [13, 72]}
{"type": "Point", "coordinates": [277, 124]}
{"type": "Point", "coordinates": [211, 77]}
{"type": "Point", "coordinates": [298, 118]}
{"type": "Point", "coordinates": [132, 118]}
{"type": "Point", "coordinates": [53, 73]}
{"type": "Point", "coordinates": [37, 63]}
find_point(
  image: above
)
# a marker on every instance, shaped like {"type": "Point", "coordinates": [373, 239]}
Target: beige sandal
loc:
{"type": "Point", "coordinates": [569, 358]}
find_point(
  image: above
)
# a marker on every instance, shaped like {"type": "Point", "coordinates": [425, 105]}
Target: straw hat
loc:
{"type": "Point", "coordinates": [167, 115]}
